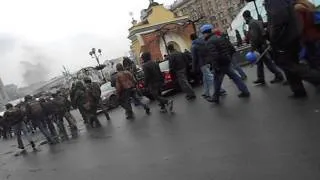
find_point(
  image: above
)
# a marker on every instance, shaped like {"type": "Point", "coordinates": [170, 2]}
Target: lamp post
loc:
{"type": "Point", "coordinates": [96, 54]}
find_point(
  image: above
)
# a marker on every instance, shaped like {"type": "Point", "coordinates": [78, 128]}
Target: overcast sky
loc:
{"type": "Point", "coordinates": [47, 34]}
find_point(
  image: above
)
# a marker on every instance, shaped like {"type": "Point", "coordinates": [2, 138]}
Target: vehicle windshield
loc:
{"type": "Point", "coordinates": [164, 66]}
{"type": "Point", "coordinates": [106, 87]}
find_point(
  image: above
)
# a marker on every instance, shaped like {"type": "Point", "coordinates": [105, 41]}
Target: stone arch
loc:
{"type": "Point", "coordinates": [176, 39]}
{"type": "Point", "coordinates": [175, 45]}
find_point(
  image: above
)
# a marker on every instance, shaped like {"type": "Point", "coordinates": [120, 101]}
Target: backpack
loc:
{"type": "Point", "coordinates": [49, 107]}
{"type": "Point", "coordinates": [35, 108]}
{"type": "Point", "coordinates": [94, 90]}
{"type": "Point", "coordinates": [13, 116]}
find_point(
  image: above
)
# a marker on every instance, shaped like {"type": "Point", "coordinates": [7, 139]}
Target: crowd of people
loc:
{"type": "Point", "coordinates": [46, 112]}
{"type": "Point", "coordinates": [290, 25]}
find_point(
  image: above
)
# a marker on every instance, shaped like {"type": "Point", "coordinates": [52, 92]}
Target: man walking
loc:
{"type": "Point", "coordinates": [15, 118]}
{"type": "Point", "coordinates": [258, 43]}
{"type": "Point", "coordinates": [285, 40]}
{"type": "Point", "coordinates": [94, 92]}
{"type": "Point", "coordinates": [125, 85]}
{"type": "Point", "coordinates": [201, 60]}
{"type": "Point", "coordinates": [221, 51]}
{"type": "Point", "coordinates": [153, 79]}
{"type": "Point", "coordinates": [36, 113]}
{"type": "Point", "coordinates": [178, 66]}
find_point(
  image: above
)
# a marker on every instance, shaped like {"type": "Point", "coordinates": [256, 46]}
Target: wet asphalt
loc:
{"type": "Point", "coordinates": [266, 137]}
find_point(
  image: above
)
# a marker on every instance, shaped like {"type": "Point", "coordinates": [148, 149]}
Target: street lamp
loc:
{"type": "Point", "coordinates": [96, 54]}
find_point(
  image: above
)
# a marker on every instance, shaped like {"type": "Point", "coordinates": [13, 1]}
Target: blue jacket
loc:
{"type": "Point", "coordinates": [198, 58]}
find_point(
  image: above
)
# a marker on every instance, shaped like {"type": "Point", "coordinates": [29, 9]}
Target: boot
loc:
{"type": "Point", "coordinates": [244, 95]}
{"type": "Point", "coordinates": [107, 116]}
{"type": "Point", "coordinates": [277, 79]}
{"type": "Point", "coordinates": [214, 99]}
{"type": "Point", "coordinates": [33, 145]}
{"type": "Point", "coordinates": [147, 109]}
{"type": "Point", "coordinates": [259, 82]}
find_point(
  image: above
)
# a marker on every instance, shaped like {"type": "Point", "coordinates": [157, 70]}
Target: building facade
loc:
{"type": "Point", "coordinates": [159, 27]}
{"type": "Point", "coordinates": [220, 13]}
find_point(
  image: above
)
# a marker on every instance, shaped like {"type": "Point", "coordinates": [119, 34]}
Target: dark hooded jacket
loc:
{"type": "Point", "coordinates": [200, 54]}
{"type": "Point", "coordinates": [256, 34]}
{"type": "Point", "coordinates": [283, 24]}
{"type": "Point", "coordinates": [177, 61]}
{"type": "Point", "coordinates": [152, 73]}
{"type": "Point", "coordinates": [220, 50]}
{"type": "Point", "coordinates": [80, 97]}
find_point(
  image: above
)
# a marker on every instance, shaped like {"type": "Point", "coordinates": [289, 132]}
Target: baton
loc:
{"type": "Point", "coordinates": [263, 54]}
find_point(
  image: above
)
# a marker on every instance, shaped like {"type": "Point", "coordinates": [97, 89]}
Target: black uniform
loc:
{"type": "Point", "coordinates": [36, 113]}
{"type": "Point", "coordinates": [15, 118]}
{"type": "Point", "coordinates": [259, 44]}
{"type": "Point", "coordinates": [285, 39]}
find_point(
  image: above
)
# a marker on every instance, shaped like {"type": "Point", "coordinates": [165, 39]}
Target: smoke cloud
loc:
{"type": "Point", "coordinates": [33, 73]}
{"type": "Point", "coordinates": [34, 65]}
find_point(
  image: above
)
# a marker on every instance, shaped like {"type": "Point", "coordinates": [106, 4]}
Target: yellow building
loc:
{"type": "Point", "coordinates": [158, 28]}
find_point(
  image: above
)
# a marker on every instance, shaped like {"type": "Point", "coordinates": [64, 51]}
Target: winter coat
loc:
{"type": "Point", "coordinates": [125, 80]}
{"type": "Point", "coordinates": [13, 116]}
{"type": "Point", "coordinates": [256, 34]}
{"type": "Point", "coordinates": [152, 73]}
{"type": "Point", "coordinates": [79, 94]}
{"type": "Point", "coordinates": [305, 11]}
{"type": "Point", "coordinates": [177, 61]}
{"type": "Point", "coordinates": [200, 53]}
{"type": "Point", "coordinates": [220, 50]}
{"type": "Point", "coordinates": [94, 92]}
{"type": "Point", "coordinates": [282, 23]}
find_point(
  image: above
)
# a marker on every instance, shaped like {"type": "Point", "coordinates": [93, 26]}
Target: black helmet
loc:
{"type": "Point", "coordinates": [87, 80]}
{"type": "Point", "coordinates": [27, 98]}
{"type": "Point", "coordinates": [8, 106]}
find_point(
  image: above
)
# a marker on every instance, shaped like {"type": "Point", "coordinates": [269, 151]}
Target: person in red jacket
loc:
{"type": "Point", "coordinates": [310, 31]}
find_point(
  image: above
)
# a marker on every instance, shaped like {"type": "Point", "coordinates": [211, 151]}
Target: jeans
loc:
{"type": "Point", "coordinates": [18, 128]}
{"type": "Point", "coordinates": [237, 67]}
{"type": "Point", "coordinates": [184, 83]}
{"type": "Point", "coordinates": [218, 79]}
{"type": "Point", "coordinates": [207, 77]}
